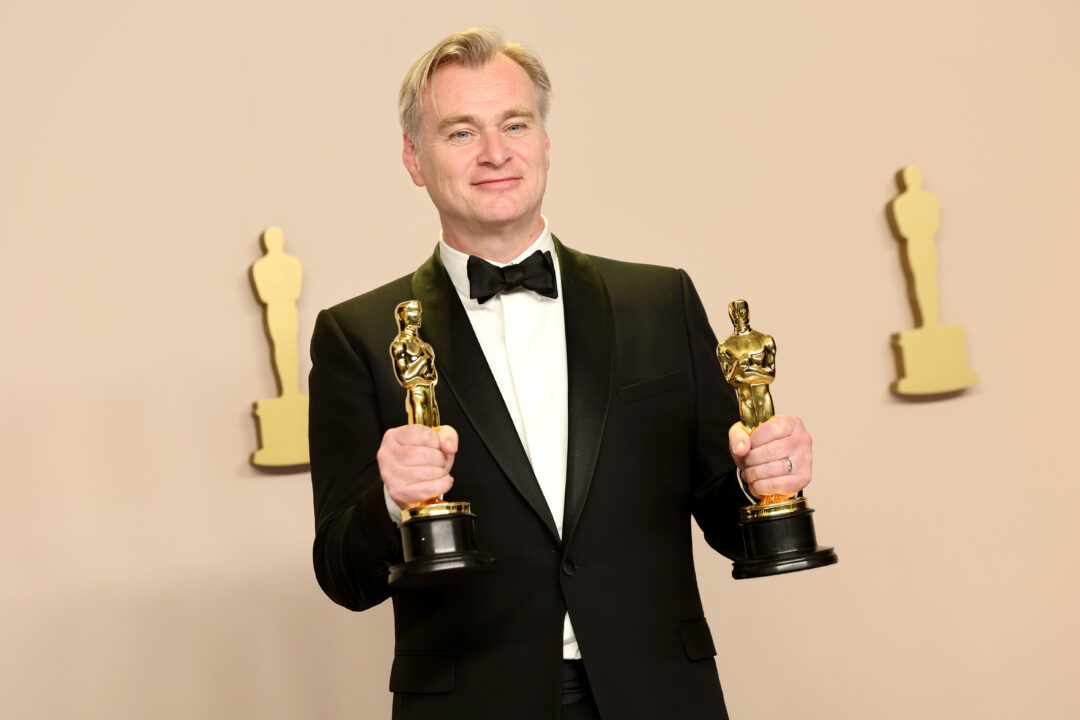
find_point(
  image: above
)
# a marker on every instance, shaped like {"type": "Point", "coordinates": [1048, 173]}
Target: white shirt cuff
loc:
{"type": "Point", "coordinates": [391, 506]}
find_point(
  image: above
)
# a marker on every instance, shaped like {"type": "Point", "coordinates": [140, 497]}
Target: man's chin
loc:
{"type": "Point", "coordinates": [502, 215]}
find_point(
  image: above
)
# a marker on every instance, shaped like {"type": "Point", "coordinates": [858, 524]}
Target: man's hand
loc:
{"type": "Point", "coordinates": [763, 456]}
{"type": "Point", "coordinates": [414, 462]}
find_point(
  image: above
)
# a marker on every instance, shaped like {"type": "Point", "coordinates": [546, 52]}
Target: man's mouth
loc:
{"type": "Point", "coordinates": [496, 182]}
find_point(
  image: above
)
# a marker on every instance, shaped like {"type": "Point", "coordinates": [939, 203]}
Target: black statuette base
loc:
{"type": "Point", "coordinates": [780, 544]}
{"type": "Point", "coordinates": [439, 549]}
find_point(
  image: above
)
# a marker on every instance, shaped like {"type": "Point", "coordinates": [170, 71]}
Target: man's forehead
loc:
{"type": "Point", "coordinates": [500, 87]}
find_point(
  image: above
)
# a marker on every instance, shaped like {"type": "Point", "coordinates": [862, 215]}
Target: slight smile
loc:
{"type": "Point", "coordinates": [496, 183]}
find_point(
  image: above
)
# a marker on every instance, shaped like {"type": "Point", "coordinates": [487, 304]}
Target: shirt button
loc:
{"type": "Point", "coordinates": [568, 567]}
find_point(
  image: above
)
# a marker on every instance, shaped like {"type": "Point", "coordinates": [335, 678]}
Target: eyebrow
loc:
{"type": "Point", "coordinates": [522, 111]}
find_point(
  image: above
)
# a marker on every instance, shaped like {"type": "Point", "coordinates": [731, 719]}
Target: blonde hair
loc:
{"type": "Point", "coordinates": [472, 48]}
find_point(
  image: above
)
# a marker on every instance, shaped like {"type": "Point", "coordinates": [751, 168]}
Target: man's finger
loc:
{"type": "Point", "coordinates": [419, 456]}
{"type": "Point", "coordinates": [771, 469]}
{"type": "Point", "coordinates": [416, 493]}
{"type": "Point", "coordinates": [786, 485]}
{"type": "Point", "coordinates": [775, 428]}
{"type": "Point", "coordinates": [448, 439]}
{"type": "Point", "coordinates": [412, 474]}
{"type": "Point", "coordinates": [775, 450]}
{"type": "Point", "coordinates": [414, 435]}
{"type": "Point", "coordinates": [738, 440]}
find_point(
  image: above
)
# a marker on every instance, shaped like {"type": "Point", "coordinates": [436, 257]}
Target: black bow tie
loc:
{"type": "Point", "coordinates": [536, 273]}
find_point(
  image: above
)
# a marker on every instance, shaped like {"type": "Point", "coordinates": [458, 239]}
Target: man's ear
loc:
{"type": "Point", "coordinates": [410, 156]}
{"type": "Point", "coordinates": [547, 150]}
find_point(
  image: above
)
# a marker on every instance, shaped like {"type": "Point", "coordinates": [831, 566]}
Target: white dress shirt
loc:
{"type": "Point", "coordinates": [523, 339]}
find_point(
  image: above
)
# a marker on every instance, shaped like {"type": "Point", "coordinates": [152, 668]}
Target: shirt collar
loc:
{"type": "Point", "coordinates": [457, 262]}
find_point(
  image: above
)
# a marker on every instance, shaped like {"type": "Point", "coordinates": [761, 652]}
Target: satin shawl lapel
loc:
{"type": "Point", "coordinates": [587, 314]}
{"type": "Point", "coordinates": [463, 368]}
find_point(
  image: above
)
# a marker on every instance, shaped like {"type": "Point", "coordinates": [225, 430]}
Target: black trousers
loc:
{"type": "Point", "coordinates": [578, 703]}
{"type": "Point", "coordinates": [584, 710]}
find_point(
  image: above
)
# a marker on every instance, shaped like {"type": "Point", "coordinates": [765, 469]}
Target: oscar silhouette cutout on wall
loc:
{"type": "Point", "coordinates": [281, 421]}
{"type": "Point", "coordinates": [931, 358]}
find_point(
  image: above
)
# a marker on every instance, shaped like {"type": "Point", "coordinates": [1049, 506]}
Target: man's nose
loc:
{"type": "Point", "coordinates": [493, 148]}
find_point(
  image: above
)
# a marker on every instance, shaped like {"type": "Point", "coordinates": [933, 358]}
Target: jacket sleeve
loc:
{"type": "Point", "coordinates": [355, 540]}
{"type": "Point", "coordinates": [716, 494]}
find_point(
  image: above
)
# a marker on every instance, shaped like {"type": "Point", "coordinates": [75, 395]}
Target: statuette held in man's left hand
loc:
{"type": "Point", "coordinates": [778, 533]}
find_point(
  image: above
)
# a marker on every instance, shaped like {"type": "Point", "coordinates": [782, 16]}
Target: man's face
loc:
{"type": "Point", "coordinates": [483, 154]}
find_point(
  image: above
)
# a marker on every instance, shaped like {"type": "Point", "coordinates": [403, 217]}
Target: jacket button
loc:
{"type": "Point", "coordinates": [568, 567]}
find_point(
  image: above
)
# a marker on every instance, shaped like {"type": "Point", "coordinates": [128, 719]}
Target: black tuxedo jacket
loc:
{"type": "Point", "coordinates": [649, 413]}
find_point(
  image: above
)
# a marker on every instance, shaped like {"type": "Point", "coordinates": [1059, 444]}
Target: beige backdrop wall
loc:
{"type": "Point", "coordinates": [150, 572]}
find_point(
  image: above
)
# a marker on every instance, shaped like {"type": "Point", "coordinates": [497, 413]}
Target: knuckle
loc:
{"type": "Point", "coordinates": [787, 484]}
{"type": "Point", "coordinates": [400, 456]}
{"type": "Point", "coordinates": [414, 493]}
{"type": "Point", "coordinates": [420, 455]}
{"type": "Point", "coordinates": [385, 459]}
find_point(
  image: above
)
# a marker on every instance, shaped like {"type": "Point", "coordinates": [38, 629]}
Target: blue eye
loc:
{"type": "Point", "coordinates": [515, 127]}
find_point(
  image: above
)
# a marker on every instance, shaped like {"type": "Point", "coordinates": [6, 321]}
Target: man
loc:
{"type": "Point", "coordinates": [585, 425]}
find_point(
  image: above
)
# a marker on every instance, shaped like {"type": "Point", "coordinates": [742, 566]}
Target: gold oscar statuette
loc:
{"type": "Point", "coordinates": [438, 537]}
{"type": "Point", "coordinates": [778, 532]}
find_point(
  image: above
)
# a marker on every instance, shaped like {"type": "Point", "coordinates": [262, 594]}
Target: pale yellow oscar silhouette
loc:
{"type": "Point", "coordinates": [933, 356]}
{"type": "Point", "coordinates": [282, 421]}
{"type": "Point", "coordinates": [748, 359]}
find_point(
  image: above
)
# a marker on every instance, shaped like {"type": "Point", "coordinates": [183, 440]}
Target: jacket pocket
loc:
{"type": "Point", "coordinates": [425, 674]}
{"type": "Point", "coordinates": [697, 640]}
{"type": "Point", "coordinates": [652, 386]}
